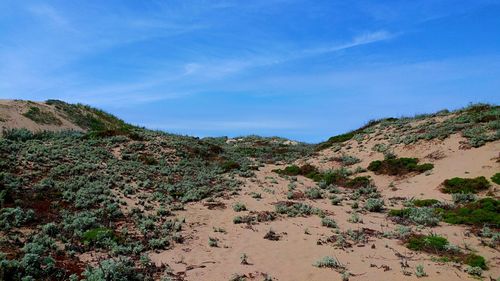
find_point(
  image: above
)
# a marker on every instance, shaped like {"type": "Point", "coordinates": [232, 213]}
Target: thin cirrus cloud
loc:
{"type": "Point", "coordinates": [218, 69]}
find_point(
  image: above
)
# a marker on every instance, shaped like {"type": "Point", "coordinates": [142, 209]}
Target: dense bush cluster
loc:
{"type": "Point", "coordinates": [398, 166]}
{"type": "Point", "coordinates": [465, 185]}
{"type": "Point", "coordinates": [485, 211]}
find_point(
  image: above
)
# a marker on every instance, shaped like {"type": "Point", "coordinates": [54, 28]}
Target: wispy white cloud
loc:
{"type": "Point", "coordinates": [359, 40]}
{"type": "Point", "coordinates": [49, 14]}
{"type": "Point", "coordinates": [218, 69]}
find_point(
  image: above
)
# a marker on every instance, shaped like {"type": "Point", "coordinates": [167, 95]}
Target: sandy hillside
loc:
{"type": "Point", "coordinates": [13, 114]}
{"type": "Point", "coordinates": [398, 199]}
{"type": "Point", "coordinates": [303, 240]}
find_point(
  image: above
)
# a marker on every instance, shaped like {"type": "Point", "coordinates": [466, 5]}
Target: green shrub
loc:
{"type": "Point", "coordinates": [328, 222]}
{"type": "Point", "coordinates": [496, 178]}
{"type": "Point", "coordinates": [462, 198]}
{"type": "Point", "coordinates": [292, 170]}
{"type": "Point", "coordinates": [313, 193]}
{"type": "Point", "coordinates": [306, 170]}
{"type": "Point", "coordinates": [97, 234]}
{"type": "Point", "coordinates": [422, 216]}
{"type": "Point", "coordinates": [243, 219]}
{"type": "Point", "coordinates": [402, 213]}
{"type": "Point", "coordinates": [328, 262]}
{"type": "Point", "coordinates": [18, 134]}
{"type": "Point", "coordinates": [483, 211]}
{"type": "Point", "coordinates": [475, 261]}
{"type": "Point", "coordinates": [374, 204]}
{"type": "Point", "coordinates": [111, 269]}
{"type": "Point", "coordinates": [375, 166]}
{"type": "Point", "coordinates": [239, 207]}
{"type": "Point", "coordinates": [335, 139]}
{"type": "Point", "coordinates": [337, 176]}
{"type": "Point", "coordinates": [465, 185]}
{"type": "Point", "coordinates": [425, 202]}
{"type": "Point", "coordinates": [474, 270]}
{"type": "Point", "coordinates": [229, 165]}
{"type": "Point", "coordinates": [423, 167]}
{"type": "Point", "coordinates": [358, 182]}
{"type": "Point", "coordinates": [431, 244]}
{"type": "Point", "coordinates": [293, 209]}
{"type": "Point", "coordinates": [14, 217]}
{"type": "Point", "coordinates": [348, 160]}
{"type": "Point", "coordinates": [419, 271]}
{"type": "Point", "coordinates": [213, 242]}
{"type": "Point", "coordinates": [398, 166]}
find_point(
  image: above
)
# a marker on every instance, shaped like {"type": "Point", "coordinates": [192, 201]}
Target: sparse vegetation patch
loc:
{"type": "Point", "coordinates": [42, 116]}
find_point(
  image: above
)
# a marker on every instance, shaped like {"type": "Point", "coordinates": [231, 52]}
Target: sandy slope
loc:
{"type": "Point", "coordinates": [291, 257]}
{"type": "Point", "coordinates": [11, 116]}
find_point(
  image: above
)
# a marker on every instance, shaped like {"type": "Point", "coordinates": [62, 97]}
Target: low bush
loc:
{"type": "Point", "coordinates": [465, 185]}
{"type": "Point", "coordinates": [431, 243]}
{"type": "Point", "coordinates": [328, 222]}
{"type": "Point", "coordinates": [213, 242]}
{"type": "Point", "coordinates": [239, 207]}
{"type": "Point", "coordinates": [293, 209]}
{"type": "Point", "coordinates": [425, 202]}
{"type": "Point", "coordinates": [475, 261]}
{"type": "Point", "coordinates": [422, 216]}
{"type": "Point", "coordinates": [328, 262]}
{"type": "Point", "coordinates": [229, 165]}
{"type": "Point", "coordinates": [294, 170]}
{"type": "Point", "coordinates": [496, 178]}
{"type": "Point", "coordinates": [14, 217]}
{"type": "Point", "coordinates": [358, 182]}
{"type": "Point", "coordinates": [337, 176]}
{"type": "Point", "coordinates": [419, 271]}
{"type": "Point", "coordinates": [347, 160]}
{"type": "Point", "coordinates": [474, 271]}
{"type": "Point", "coordinates": [111, 269]}
{"type": "Point", "coordinates": [483, 211]}
{"type": "Point", "coordinates": [18, 134]}
{"type": "Point", "coordinates": [97, 234]}
{"type": "Point", "coordinates": [462, 198]}
{"type": "Point", "coordinates": [243, 219]}
{"type": "Point", "coordinates": [374, 204]}
{"type": "Point", "coordinates": [313, 193]}
{"type": "Point", "coordinates": [398, 166]}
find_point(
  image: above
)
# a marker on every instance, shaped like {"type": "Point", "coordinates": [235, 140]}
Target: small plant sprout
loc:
{"type": "Point", "coordinates": [419, 271]}
{"type": "Point", "coordinates": [213, 242]}
{"type": "Point", "coordinates": [345, 275]}
{"type": "Point", "coordinates": [355, 218]}
{"type": "Point", "coordinates": [244, 259]}
{"type": "Point", "coordinates": [328, 262]}
{"type": "Point", "coordinates": [474, 270]}
{"type": "Point", "coordinates": [239, 207]}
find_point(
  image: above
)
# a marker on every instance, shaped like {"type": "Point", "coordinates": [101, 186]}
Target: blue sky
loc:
{"type": "Point", "coordinates": [306, 70]}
